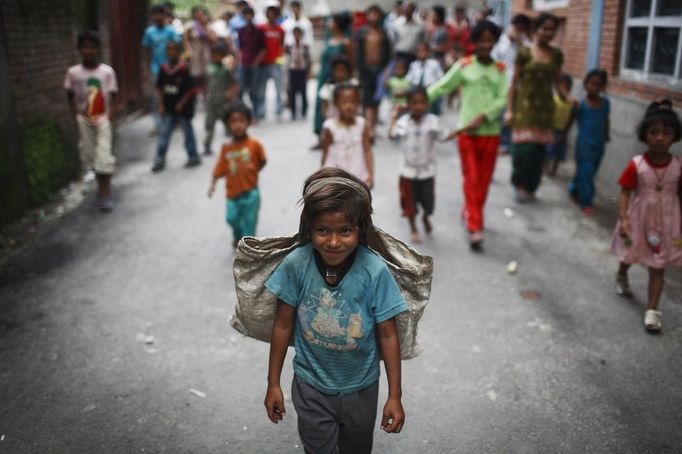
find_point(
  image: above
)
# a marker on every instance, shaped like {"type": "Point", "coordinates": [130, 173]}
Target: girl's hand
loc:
{"type": "Point", "coordinates": [394, 416]}
{"type": "Point", "coordinates": [508, 116]}
{"type": "Point", "coordinates": [211, 190]}
{"type": "Point", "coordinates": [475, 123]}
{"type": "Point", "coordinates": [624, 230]}
{"type": "Point", "coordinates": [274, 403]}
{"type": "Point", "coordinates": [370, 181]}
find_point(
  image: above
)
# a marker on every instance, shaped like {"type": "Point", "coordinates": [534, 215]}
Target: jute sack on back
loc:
{"type": "Point", "coordinates": [257, 258]}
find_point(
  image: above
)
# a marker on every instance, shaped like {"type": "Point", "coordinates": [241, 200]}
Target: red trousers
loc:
{"type": "Point", "coordinates": [478, 155]}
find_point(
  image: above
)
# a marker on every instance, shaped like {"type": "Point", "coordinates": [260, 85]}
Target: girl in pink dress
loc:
{"type": "Point", "coordinates": [649, 229]}
{"type": "Point", "coordinates": [346, 136]}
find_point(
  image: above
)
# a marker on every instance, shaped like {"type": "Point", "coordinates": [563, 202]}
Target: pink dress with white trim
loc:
{"type": "Point", "coordinates": [654, 215]}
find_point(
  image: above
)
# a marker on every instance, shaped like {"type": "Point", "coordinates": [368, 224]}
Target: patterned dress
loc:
{"type": "Point", "coordinates": [534, 100]}
{"type": "Point", "coordinates": [655, 239]}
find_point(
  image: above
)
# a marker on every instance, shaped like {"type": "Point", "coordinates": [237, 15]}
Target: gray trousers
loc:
{"type": "Point", "coordinates": [331, 424]}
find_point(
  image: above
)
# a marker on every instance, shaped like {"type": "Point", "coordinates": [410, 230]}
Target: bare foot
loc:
{"type": "Point", "coordinates": [415, 238]}
{"type": "Point", "coordinates": [427, 225]}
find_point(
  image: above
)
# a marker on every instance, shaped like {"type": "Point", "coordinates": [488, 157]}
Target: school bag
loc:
{"type": "Point", "coordinates": [257, 258]}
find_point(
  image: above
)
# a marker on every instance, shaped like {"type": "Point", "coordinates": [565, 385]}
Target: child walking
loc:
{"type": "Point", "coordinates": [417, 132]}
{"type": "Point", "coordinates": [563, 118]}
{"type": "Point", "coordinates": [593, 132]}
{"type": "Point", "coordinates": [91, 88]}
{"type": "Point", "coordinates": [342, 70]}
{"type": "Point", "coordinates": [178, 93]}
{"type": "Point", "coordinates": [346, 137]}
{"type": "Point", "coordinates": [239, 162]}
{"type": "Point", "coordinates": [424, 72]}
{"type": "Point", "coordinates": [339, 302]}
{"type": "Point", "coordinates": [483, 98]}
{"type": "Point", "coordinates": [398, 86]}
{"type": "Point", "coordinates": [530, 110]}
{"type": "Point", "coordinates": [222, 90]}
{"type": "Point", "coordinates": [649, 228]}
{"type": "Point", "coordinates": [298, 56]}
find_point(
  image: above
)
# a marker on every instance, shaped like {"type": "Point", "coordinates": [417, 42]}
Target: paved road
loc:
{"type": "Point", "coordinates": [570, 371]}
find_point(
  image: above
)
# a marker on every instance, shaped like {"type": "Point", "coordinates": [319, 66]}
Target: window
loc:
{"type": "Point", "coordinates": [652, 42]}
{"type": "Point", "coordinates": [540, 5]}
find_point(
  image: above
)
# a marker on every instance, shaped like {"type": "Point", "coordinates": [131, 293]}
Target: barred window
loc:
{"type": "Point", "coordinates": [652, 42]}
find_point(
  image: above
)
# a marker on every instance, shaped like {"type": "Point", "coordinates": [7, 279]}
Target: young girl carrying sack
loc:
{"type": "Point", "coordinates": [649, 229]}
{"type": "Point", "coordinates": [339, 301]}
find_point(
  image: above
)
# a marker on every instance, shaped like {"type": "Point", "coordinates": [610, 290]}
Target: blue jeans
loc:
{"type": "Point", "coordinates": [266, 73]}
{"type": "Point", "coordinates": [168, 122]}
{"type": "Point", "coordinates": [248, 80]}
{"type": "Point", "coordinates": [242, 213]}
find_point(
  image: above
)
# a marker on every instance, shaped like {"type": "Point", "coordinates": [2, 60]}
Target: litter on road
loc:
{"type": "Point", "coordinates": [512, 267]}
{"type": "Point", "coordinates": [508, 213]}
{"type": "Point", "coordinates": [197, 393]}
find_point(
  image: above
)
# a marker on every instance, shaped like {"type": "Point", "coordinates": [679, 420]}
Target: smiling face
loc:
{"type": "Point", "coordinates": [485, 45]}
{"type": "Point", "coordinates": [334, 237]}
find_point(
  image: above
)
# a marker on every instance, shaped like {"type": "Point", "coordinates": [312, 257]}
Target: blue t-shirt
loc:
{"type": "Point", "coordinates": [592, 124]}
{"type": "Point", "coordinates": [336, 351]}
{"type": "Point", "coordinates": [156, 38]}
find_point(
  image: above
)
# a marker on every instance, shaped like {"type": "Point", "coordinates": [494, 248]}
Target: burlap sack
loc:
{"type": "Point", "coordinates": [257, 258]}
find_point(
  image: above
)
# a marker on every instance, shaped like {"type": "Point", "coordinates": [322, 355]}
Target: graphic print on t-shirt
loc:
{"type": "Point", "coordinates": [242, 155]}
{"type": "Point", "coordinates": [330, 322]}
{"type": "Point", "coordinates": [95, 98]}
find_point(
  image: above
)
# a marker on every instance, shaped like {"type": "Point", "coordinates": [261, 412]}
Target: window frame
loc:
{"type": "Point", "coordinates": [651, 22]}
{"type": "Point", "coordinates": [544, 5]}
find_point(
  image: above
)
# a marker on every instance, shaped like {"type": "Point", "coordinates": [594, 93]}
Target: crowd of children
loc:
{"type": "Point", "coordinates": [513, 96]}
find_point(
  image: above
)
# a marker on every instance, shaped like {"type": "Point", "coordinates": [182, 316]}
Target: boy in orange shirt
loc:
{"type": "Point", "coordinates": [239, 162]}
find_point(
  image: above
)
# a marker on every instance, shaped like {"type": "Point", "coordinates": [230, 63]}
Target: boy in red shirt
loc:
{"type": "Point", "coordinates": [271, 66]}
{"type": "Point", "coordinates": [239, 162]}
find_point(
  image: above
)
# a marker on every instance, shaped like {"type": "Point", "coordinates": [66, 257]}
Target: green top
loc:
{"type": "Point", "coordinates": [400, 84]}
{"type": "Point", "coordinates": [534, 100]}
{"type": "Point", "coordinates": [484, 91]}
{"type": "Point", "coordinates": [219, 80]}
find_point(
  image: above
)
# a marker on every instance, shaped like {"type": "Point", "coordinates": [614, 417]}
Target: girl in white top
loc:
{"type": "Point", "coordinates": [345, 137]}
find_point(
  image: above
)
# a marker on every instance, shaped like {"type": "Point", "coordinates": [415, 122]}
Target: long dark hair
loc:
{"type": "Point", "coordinates": [331, 189]}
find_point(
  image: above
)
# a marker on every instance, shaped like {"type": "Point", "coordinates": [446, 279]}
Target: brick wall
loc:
{"type": "Point", "coordinates": [38, 137]}
{"type": "Point", "coordinates": [573, 38]}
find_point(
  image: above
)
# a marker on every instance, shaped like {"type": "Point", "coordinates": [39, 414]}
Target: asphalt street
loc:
{"type": "Point", "coordinates": [114, 334]}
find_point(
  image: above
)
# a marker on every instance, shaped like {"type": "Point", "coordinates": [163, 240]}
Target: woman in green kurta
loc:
{"type": "Point", "coordinates": [530, 109]}
{"type": "Point", "coordinates": [336, 43]}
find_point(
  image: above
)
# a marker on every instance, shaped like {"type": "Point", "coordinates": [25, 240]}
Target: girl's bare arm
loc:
{"type": "Point", "coordinates": [393, 416]}
{"type": "Point", "coordinates": [327, 140]}
{"type": "Point", "coordinates": [623, 203]}
{"type": "Point", "coordinates": [512, 94]}
{"type": "Point", "coordinates": [369, 157]}
{"type": "Point", "coordinates": [281, 334]}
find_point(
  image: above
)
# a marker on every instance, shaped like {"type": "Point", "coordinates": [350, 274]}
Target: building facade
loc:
{"type": "Point", "coordinates": [639, 44]}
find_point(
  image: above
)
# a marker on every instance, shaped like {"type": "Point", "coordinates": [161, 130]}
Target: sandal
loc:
{"type": "Point", "coordinates": [652, 320]}
{"type": "Point", "coordinates": [623, 286]}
